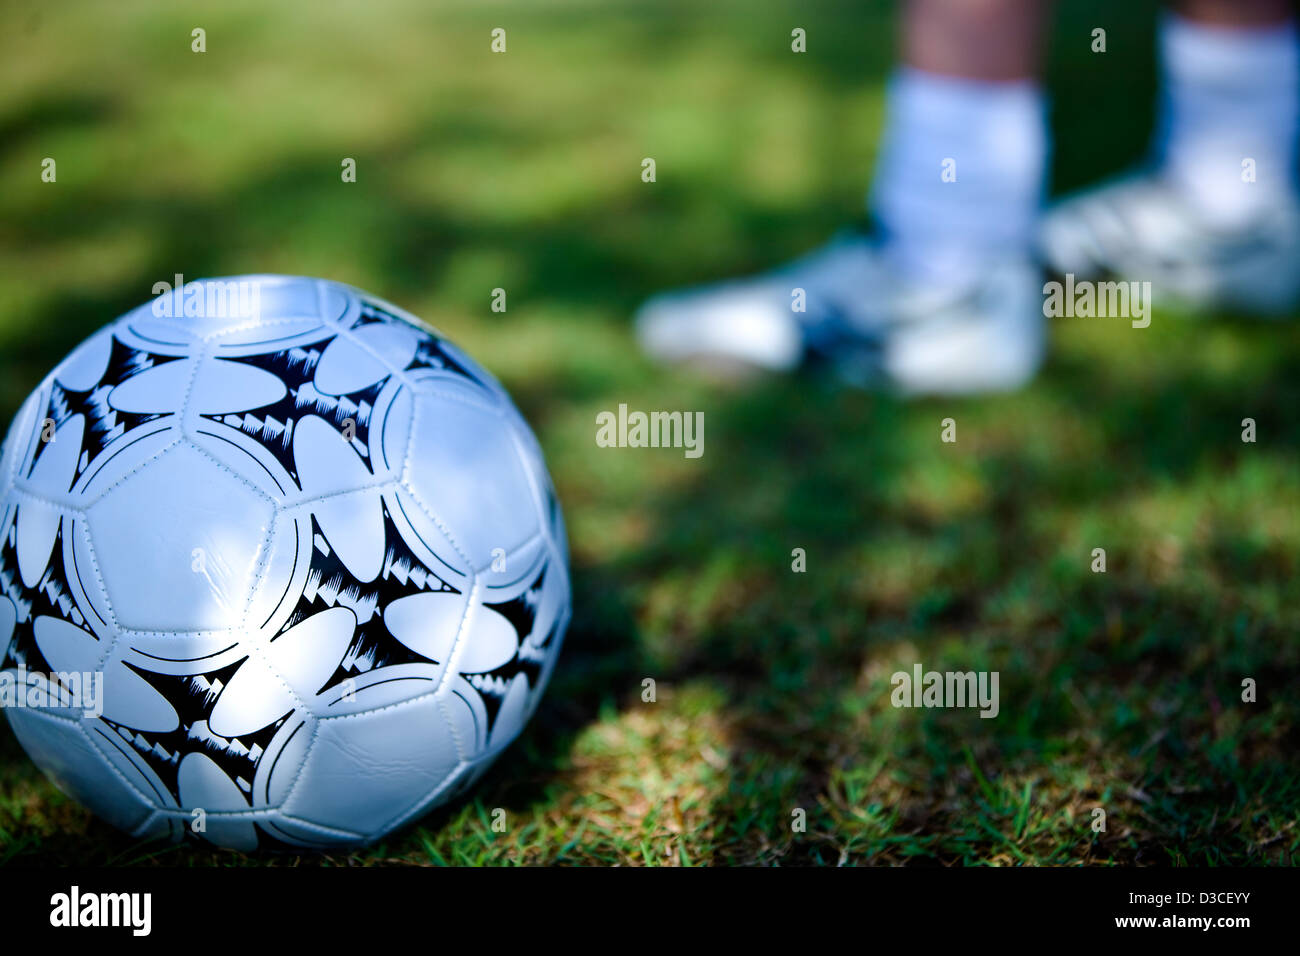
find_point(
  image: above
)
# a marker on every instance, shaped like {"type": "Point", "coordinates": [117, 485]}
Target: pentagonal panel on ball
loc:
{"type": "Point", "coordinates": [365, 769]}
{"type": "Point", "coordinates": [179, 543]}
{"type": "Point", "coordinates": [463, 474]}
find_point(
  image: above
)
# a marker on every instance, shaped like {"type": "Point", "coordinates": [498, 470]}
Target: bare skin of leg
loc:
{"type": "Point", "coordinates": [1003, 39]}
{"type": "Point", "coordinates": [995, 40]}
{"type": "Point", "coordinates": [1236, 13]}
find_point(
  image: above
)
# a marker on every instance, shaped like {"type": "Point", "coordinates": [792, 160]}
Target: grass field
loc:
{"type": "Point", "coordinates": [522, 171]}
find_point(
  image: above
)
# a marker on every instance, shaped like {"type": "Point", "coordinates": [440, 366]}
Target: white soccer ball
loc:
{"type": "Point", "coordinates": [301, 553]}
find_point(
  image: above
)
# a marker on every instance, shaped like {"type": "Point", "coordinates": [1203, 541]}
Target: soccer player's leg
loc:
{"type": "Point", "coordinates": [1213, 218]}
{"type": "Point", "coordinates": [943, 296]}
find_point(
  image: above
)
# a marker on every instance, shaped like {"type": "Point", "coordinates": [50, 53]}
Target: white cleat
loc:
{"type": "Point", "coordinates": [1142, 228]}
{"type": "Point", "coordinates": [859, 318]}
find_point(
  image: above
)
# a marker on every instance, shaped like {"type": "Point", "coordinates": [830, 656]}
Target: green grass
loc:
{"type": "Point", "coordinates": [1119, 691]}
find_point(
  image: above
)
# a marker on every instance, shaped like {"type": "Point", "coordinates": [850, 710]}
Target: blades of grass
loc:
{"type": "Point", "coordinates": [432, 851]}
{"type": "Point", "coordinates": [572, 842]}
{"type": "Point", "coordinates": [1022, 815]}
{"type": "Point", "coordinates": [985, 787]}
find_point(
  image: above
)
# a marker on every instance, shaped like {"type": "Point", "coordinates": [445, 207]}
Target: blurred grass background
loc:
{"type": "Point", "coordinates": [522, 171]}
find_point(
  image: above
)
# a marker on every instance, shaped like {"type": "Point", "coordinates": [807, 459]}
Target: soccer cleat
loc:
{"type": "Point", "coordinates": [842, 306]}
{"type": "Point", "coordinates": [1141, 227]}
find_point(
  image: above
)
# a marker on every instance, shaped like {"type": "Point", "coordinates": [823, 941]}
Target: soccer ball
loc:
{"type": "Point", "coordinates": [279, 566]}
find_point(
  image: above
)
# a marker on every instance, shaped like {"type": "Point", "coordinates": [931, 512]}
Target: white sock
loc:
{"type": "Point", "coordinates": [995, 134]}
{"type": "Point", "coordinates": [1229, 94]}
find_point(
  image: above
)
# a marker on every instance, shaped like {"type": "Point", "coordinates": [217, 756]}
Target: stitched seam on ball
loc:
{"type": "Point", "coordinates": [349, 297]}
{"type": "Point", "coordinates": [414, 699]}
{"type": "Point", "coordinates": [234, 631]}
{"type": "Point", "coordinates": [415, 495]}
{"type": "Point", "coordinates": [195, 361]}
{"type": "Point", "coordinates": [49, 503]}
{"type": "Point", "coordinates": [47, 714]}
{"type": "Point", "coordinates": [296, 503]}
{"type": "Point", "coordinates": [429, 800]}
{"type": "Point", "coordinates": [416, 386]}
{"type": "Point", "coordinates": [179, 439]}
{"type": "Point", "coordinates": [264, 559]}
{"type": "Point", "coordinates": [145, 827]}
{"type": "Point", "coordinates": [440, 703]}
{"type": "Point", "coordinates": [351, 336]}
{"type": "Point", "coordinates": [265, 495]}
{"type": "Point", "coordinates": [434, 387]}
{"type": "Point", "coordinates": [236, 815]}
{"type": "Point", "coordinates": [454, 655]}
{"type": "Point", "coordinates": [28, 456]}
{"type": "Point", "coordinates": [257, 652]}
{"type": "Point", "coordinates": [534, 482]}
{"type": "Point", "coordinates": [322, 828]}
{"type": "Point", "coordinates": [148, 800]}
{"type": "Point", "coordinates": [258, 324]}
{"type": "Point", "coordinates": [296, 777]}
{"type": "Point", "coordinates": [513, 552]}
{"type": "Point", "coordinates": [99, 579]}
